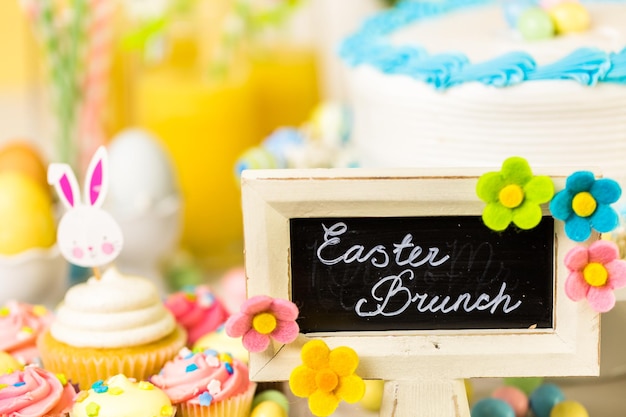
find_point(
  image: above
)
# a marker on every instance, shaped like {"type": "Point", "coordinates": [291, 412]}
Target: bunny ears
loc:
{"type": "Point", "coordinates": [64, 181]}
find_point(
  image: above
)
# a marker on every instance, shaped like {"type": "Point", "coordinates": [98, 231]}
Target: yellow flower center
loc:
{"type": "Point", "coordinates": [595, 274]}
{"type": "Point", "coordinates": [584, 204]}
{"type": "Point", "coordinates": [326, 380]}
{"type": "Point", "coordinates": [264, 323]}
{"type": "Point", "coordinates": [511, 196]}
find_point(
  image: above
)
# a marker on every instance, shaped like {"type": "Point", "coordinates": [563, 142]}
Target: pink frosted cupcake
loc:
{"type": "Point", "coordinates": [207, 384]}
{"type": "Point", "coordinates": [198, 311]}
{"type": "Point", "coordinates": [20, 325]}
{"type": "Point", "coordinates": [35, 392]}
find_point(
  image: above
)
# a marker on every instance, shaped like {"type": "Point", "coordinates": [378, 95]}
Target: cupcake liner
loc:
{"type": "Point", "coordinates": [84, 366]}
{"type": "Point", "coordinates": [237, 406]}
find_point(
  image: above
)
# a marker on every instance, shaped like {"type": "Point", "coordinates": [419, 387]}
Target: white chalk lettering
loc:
{"type": "Point", "coordinates": [413, 258]}
{"type": "Point", "coordinates": [355, 253]}
{"type": "Point", "coordinates": [398, 298]}
{"type": "Point", "coordinates": [377, 255]}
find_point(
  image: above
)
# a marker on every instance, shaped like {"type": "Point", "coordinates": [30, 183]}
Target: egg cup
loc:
{"type": "Point", "coordinates": [34, 276]}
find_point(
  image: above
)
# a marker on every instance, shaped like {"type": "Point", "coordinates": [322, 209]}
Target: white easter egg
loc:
{"type": "Point", "coordinates": [141, 173]}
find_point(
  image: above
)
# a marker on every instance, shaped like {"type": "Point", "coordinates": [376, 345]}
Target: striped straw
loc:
{"type": "Point", "coordinates": [61, 42]}
{"type": "Point", "coordinates": [96, 75]}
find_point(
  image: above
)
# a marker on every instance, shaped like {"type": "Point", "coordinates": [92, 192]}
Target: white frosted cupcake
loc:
{"type": "Point", "coordinates": [113, 325]}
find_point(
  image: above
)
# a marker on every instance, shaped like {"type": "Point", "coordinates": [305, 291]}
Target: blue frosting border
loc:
{"type": "Point", "coordinates": [370, 46]}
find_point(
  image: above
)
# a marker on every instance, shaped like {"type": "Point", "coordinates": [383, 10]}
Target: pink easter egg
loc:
{"type": "Point", "coordinates": [514, 397]}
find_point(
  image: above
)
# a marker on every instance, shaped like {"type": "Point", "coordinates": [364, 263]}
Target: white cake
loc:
{"type": "Point", "coordinates": [498, 95]}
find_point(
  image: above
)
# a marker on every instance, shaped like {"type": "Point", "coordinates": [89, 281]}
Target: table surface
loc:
{"type": "Point", "coordinates": [601, 397]}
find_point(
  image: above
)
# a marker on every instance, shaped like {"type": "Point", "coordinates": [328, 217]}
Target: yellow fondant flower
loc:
{"type": "Point", "coordinates": [513, 195]}
{"type": "Point", "coordinates": [327, 377]}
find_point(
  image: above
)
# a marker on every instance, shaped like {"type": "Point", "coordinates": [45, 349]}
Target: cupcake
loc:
{"type": "Point", "coordinates": [35, 392]}
{"type": "Point", "coordinates": [197, 310]}
{"type": "Point", "coordinates": [20, 325]}
{"type": "Point", "coordinates": [207, 384]}
{"type": "Point", "coordinates": [121, 396]}
{"type": "Point", "coordinates": [113, 325]}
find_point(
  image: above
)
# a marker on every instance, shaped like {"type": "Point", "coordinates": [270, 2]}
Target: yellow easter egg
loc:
{"type": "Point", "coordinates": [21, 156]}
{"type": "Point", "coordinates": [8, 363]}
{"type": "Point", "coordinates": [268, 409]}
{"type": "Point", "coordinates": [373, 394]}
{"type": "Point", "coordinates": [26, 214]}
{"type": "Point", "coordinates": [570, 17]}
{"type": "Point", "coordinates": [569, 409]}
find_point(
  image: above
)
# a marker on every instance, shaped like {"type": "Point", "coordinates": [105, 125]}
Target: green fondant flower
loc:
{"type": "Point", "coordinates": [513, 194]}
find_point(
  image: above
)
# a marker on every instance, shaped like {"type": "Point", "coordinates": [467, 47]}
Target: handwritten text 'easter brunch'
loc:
{"type": "Point", "coordinates": [391, 295]}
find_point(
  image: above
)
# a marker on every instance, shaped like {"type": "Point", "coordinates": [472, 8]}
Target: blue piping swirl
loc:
{"type": "Point", "coordinates": [370, 46]}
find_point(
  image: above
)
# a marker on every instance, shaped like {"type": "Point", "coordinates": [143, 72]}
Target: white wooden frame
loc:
{"type": "Point", "coordinates": [271, 197]}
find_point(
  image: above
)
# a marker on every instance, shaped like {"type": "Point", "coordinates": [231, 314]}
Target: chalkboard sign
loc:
{"type": "Point", "coordinates": [398, 265]}
{"type": "Point", "coordinates": [420, 273]}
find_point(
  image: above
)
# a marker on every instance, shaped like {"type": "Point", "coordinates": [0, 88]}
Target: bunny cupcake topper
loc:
{"type": "Point", "coordinates": [87, 236]}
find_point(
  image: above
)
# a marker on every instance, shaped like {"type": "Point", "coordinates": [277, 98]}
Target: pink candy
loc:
{"type": "Point", "coordinates": [514, 397]}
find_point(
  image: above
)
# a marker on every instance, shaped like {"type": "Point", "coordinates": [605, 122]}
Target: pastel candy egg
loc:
{"type": "Point", "coordinates": [569, 409]}
{"type": "Point", "coordinates": [271, 395]}
{"type": "Point", "coordinates": [570, 17]}
{"type": "Point", "coordinates": [526, 385]}
{"type": "Point", "coordinates": [513, 397]}
{"type": "Point", "coordinates": [492, 407]}
{"type": "Point", "coordinates": [268, 409]}
{"type": "Point", "coordinates": [535, 24]}
{"type": "Point", "coordinates": [513, 9]}
{"type": "Point", "coordinates": [544, 398]}
{"type": "Point", "coordinates": [373, 394]}
{"type": "Point", "coordinates": [256, 158]}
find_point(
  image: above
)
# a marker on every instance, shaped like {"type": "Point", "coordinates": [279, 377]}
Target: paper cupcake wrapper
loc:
{"type": "Point", "coordinates": [237, 406]}
{"type": "Point", "coordinates": [84, 366]}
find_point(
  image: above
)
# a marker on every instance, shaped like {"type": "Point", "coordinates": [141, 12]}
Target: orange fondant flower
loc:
{"type": "Point", "coordinates": [327, 377]}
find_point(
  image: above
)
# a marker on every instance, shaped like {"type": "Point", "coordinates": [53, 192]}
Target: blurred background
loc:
{"type": "Point", "coordinates": [186, 85]}
{"type": "Point", "coordinates": [185, 94]}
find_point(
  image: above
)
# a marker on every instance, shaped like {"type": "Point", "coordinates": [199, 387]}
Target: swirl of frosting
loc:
{"type": "Point", "coordinates": [435, 69]}
{"type": "Point", "coordinates": [585, 65]}
{"type": "Point", "coordinates": [506, 70]}
{"type": "Point", "coordinates": [111, 312]}
{"type": "Point", "coordinates": [202, 378]}
{"type": "Point", "coordinates": [120, 396]}
{"type": "Point", "coordinates": [617, 73]}
{"type": "Point", "coordinates": [35, 392]}
{"type": "Point", "coordinates": [197, 310]}
{"type": "Point", "coordinates": [20, 324]}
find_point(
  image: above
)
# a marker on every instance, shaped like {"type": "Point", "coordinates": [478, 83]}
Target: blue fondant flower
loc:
{"type": "Point", "coordinates": [584, 205]}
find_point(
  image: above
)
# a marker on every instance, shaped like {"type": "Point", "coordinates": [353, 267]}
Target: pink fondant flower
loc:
{"type": "Point", "coordinates": [261, 318]}
{"type": "Point", "coordinates": [594, 273]}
